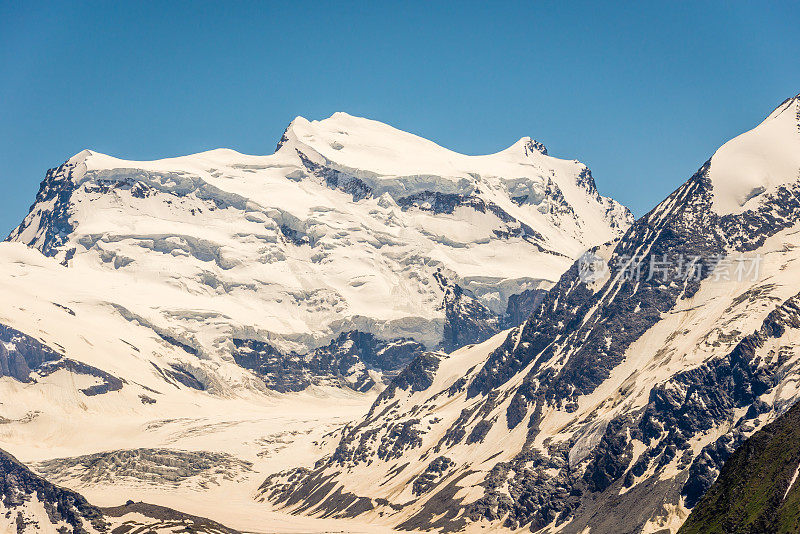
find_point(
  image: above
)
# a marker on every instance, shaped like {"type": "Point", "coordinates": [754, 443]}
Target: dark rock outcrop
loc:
{"type": "Point", "coordinates": [346, 361]}
{"type": "Point", "coordinates": [20, 354]}
{"type": "Point", "coordinates": [19, 485]}
{"type": "Point", "coordinates": [25, 358]}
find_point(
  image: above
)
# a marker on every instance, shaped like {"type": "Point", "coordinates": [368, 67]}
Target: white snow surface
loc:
{"type": "Point", "coordinates": [265, 245]}
{"type": "Point", "coordinates": [758, 161]}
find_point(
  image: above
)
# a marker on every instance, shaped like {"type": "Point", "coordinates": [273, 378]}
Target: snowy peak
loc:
{"type": "Point", "coordinates": [348, 137]}
{"type": "Point", "coordinates": [369, 145]}
{"type": "Point", "coordinates": [384, 149]}
{"type": "Point", "coordinates": [531, 145]}
{"type": "Point", "coordinates": [338, 240]}
{"type": "Point", "coordinates": [758, 162]}
{"type": "Point", "coordinates": [368, 158]}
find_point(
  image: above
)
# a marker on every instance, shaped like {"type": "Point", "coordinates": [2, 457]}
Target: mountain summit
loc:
{"type": "Point", "coordinates": [759, 161]}
{"type": "Point", "coordinates": [352, 248]}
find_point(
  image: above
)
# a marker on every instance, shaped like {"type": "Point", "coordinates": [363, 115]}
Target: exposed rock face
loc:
{"type": "Point", "coordinates": [29, 503]}
{"type": "Point", "coordinates": [614, 405]}
{"type": "Point", "coordinates": [348, 361]}
{"type": "Point", "coordinates": [49, 215]}
{"type": "Point", "coordinates": [161, 467]}
{"type": "Point", "coordinates": [25, 358]}
{"type": "Point", "coordinates": [107, 383]}
{"type": "Point", "coordinates": [432, 475]}
{"type": "Point", "coordinates": [64, 509]}
{"type": "Point", "coordinates": [446, 203]}
{"type": "Point", "coordinates": [521, 306]}
{"type": "Point", "coordinates": [700, 399]}
{"type": "Point", "coordinates": [19, 354]}
{"type": "Point", "coordinates": [160, 519]}
{"type": "Point", "coordinates": [467, 321]}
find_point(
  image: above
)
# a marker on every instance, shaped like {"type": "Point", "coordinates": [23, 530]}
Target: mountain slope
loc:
{"type": "Point", "coordinates": [615, 404]}
{"type": "Point", "coordinates": [756, 491]}
{"type": "Point", "coordinates": [32, 504]}
{"type": "Point", "coordinates": [337, 259]}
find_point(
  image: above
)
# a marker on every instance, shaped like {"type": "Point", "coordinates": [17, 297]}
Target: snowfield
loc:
{"type": "Point", "coordinates": [758, 161]}
{"type": "Point", "coordinates": [51, 416]}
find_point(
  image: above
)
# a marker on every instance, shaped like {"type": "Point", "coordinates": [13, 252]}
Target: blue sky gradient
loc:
{"type": "Point", "coordinates": [642, 93]}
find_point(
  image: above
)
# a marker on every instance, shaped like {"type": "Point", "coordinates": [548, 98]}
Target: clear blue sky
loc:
{"type": "Point", "coordinates": [643, 94]}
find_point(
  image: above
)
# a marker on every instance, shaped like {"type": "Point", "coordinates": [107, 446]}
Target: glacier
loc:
{"type": "Point", "coordinates": [352, 239]}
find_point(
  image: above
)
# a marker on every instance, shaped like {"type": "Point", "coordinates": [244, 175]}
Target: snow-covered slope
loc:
{"type": "Point", "coordinates": [352, 248]}
{"type": "Point", "coordinates": [612, 408]}
{"type": "Point", "coordinates": [757, 162]}
{"type": "Point", "coordinates": [104, 402]}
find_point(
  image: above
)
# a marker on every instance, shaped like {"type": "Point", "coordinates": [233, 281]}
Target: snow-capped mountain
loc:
{"type": "Point", "coordinates": [614, 405]}
{"type": "Point", "coordinates": [175, 331]}
{"type": "Point", "coordinates": [351, 249]}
